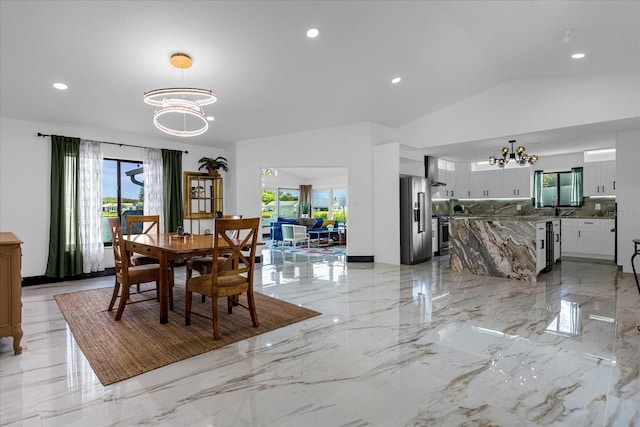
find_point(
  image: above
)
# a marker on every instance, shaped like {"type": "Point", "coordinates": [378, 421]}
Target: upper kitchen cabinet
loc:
{"type": "Point", "coordinates": [600, 178]}
{"type": "Point", "coordinates": [517, 182]}
{"type": "Point", "coordinates": [486, 184]}
{"type": "Point", "coordinates": [446, 175]}
{"type": "Point", "coordinates": [463, 184]}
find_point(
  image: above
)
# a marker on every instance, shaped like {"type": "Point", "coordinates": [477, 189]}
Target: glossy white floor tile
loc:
{"type": "Point", "coordinates": [395, 346]}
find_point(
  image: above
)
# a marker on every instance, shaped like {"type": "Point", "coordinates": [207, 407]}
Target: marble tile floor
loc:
{"type": "Point", "coordinates": [395, 346]}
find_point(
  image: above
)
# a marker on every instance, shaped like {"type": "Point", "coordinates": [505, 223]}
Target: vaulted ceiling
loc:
{"type": "Point", "coordinates": [271, 79]}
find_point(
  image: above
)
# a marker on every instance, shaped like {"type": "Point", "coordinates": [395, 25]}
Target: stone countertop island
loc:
{"type": "Point", "coordinates": [494, 247]}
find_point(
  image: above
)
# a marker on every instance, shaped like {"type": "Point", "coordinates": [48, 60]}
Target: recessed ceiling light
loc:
{"type": "Point", "coordinates": [60, 86]}
{"type": "Point", "coordinates": [210, 118]}
{"type": "Point", "coordinates": [312, 33]}
{"type": "Point", "coordinates": [396, 80]}
{"type": "Point", "coordinates": [578, 55]}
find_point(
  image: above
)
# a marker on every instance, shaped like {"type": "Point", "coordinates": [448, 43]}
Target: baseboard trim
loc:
{"type": "Point", "coordinates": [44, 280]}
{"type": "Point", "coordinates": [360, 258]}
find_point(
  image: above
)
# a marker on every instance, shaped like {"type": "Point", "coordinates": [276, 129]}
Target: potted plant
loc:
{"type": "Point", "coordinates": [212, 165]}
{"type": "Point", "coordinates": [304, 209]}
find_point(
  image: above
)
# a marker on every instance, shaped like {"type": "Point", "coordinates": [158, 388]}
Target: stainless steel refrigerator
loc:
{"type": "Point", "coordinates": [415, 220]}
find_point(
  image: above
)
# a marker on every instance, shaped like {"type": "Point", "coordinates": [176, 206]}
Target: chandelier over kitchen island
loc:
{"type": "Point", "coordinates": [518, 156]}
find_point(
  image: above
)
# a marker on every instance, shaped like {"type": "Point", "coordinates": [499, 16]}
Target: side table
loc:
{"type": "Point", "coordinates": [319, 234]}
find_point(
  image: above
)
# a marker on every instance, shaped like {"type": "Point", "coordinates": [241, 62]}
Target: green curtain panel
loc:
{"type": "Point", "coordinates": [577, 187]}
{"type": "Point", "coordinates": [537, 189]}
{"type": "Point", "coordinates": [172, 189]}
{"type": "Point", "coordinates": [65, 248]}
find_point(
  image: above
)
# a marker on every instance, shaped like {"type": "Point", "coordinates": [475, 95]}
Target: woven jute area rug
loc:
{"type": "Point", "coordinates": [138, 343]}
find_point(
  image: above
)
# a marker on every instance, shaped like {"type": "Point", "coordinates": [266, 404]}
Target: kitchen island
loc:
{"type": "Point", "coordinates": [501, 247]}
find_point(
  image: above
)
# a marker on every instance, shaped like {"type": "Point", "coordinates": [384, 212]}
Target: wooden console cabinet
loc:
{"type": "Point", "coordinates": [11, 289]}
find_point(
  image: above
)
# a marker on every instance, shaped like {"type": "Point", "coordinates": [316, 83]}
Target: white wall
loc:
{"type": "Point", "coordinates": [330, 177]}
{"type": "Point", "coordinates": [25, 169]}
{"type": "Point", "coordinates": [347, 147]}
{"type": "Point", "coordinates": [628, 196]}
{"type": "Point", "coordinates": [386, 202]}
{"type": "Point", "coordinates": [528, 105]}
{"type": "Point", "coordinates": [561, 162]}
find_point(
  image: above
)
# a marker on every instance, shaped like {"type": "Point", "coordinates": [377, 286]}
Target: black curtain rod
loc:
{"type": "Point", "coordinates": [112, 143]}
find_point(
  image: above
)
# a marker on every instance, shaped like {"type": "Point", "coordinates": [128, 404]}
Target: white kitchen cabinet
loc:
{"type": "Point", "coordinates": [541, 251]}
{"type": "Point", "coordinates": [447, 175]}
{"type": "Point", "coordinates": [607, 238]}
{"type": "Point", "coordinates": [487, 184]}
{"type": "Point", "coordinates": [557, 237]}
{"type": "Point", "coordinates": [600, 178]}
{"type": "Point", "coordinates": [477, 184]}
{"type": "Point", "coordinates": [569, 236]}
{"type": "Point", "coordinates": [517, 182]}
{"type": "Point", "coordinates": [434, 236]}
{"type": "Point", "coordinates": [588, 238]}
{"type": "Point", "coordinates": [462, 188]}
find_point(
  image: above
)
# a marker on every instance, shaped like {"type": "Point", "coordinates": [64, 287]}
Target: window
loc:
{"type": "Point", "coordinates": [269, 206]}
{"type": "Point", "coordinates": [339, 205]}
{"type": "Point", "coordinates": [327, 204]}
{"type": "Point", "coordinates": [122, 191]}
{"type": "Point", "coordinates": [288, 202]}
{"type": "Point", "coordinates": [599, 155]}
{"type": "Point", "coordinates": [562, 189]}
{"type": "Point", "coordinates": [320, 202]}
{"type": "Point", "coordinates": [330, 204]}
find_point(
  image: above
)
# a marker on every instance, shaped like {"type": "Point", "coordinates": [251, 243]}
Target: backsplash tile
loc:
{"type": "Point", "coordinates": [508, 208]}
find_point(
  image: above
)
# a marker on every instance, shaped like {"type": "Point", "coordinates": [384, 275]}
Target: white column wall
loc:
{"type": "Point", "coordinates": [386, 202]}
{"type": "Point", "coordinates": [25, 175]}
{"type": "Point", "coordinates": [628, 196]}
{"type": "Point", "coordinates": [346, 146]}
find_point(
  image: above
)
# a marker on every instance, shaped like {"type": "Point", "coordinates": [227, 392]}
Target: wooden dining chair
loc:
{"type": "Point", "coordinates": [143, 224]}
{"type": "Point", "coordinates": [146, 224]}
{"type": "Point", "coordinates": [128, 274]}
{"type": "Point", "coordinates": [233, 274]}
{"type": "Point", "coordinates": [202, 264]}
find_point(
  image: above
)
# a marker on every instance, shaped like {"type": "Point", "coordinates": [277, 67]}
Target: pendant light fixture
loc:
{"type": "Point", "coordinates": [518, 156]}
{"type": "Point", "coordinates": [179, 110]}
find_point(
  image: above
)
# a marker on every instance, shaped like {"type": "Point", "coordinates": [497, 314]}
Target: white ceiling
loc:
{"type": "Point", "coordinates": [271, 79]}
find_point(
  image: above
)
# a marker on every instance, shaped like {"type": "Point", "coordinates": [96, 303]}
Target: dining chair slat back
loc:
{"type": "Point", "coordinates": [202, 264]}
{"type": "Point", "coordinates": [143, 224]}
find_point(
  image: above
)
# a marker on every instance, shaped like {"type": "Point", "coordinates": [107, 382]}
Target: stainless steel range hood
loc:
{"type": "Point", "coordinates": [431, 171]}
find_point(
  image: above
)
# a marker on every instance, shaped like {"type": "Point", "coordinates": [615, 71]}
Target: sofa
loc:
{"type": "Point", "coordinates": [320, 225]}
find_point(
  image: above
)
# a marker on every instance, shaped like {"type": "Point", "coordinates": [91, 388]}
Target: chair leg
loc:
{"type": "Point", "coordinates": [252, 308]}
{"type": "Point", "coordinates": [189, 271]}
{"type": "Point", "coordinates": [171, 284]}
{"type": "Point", "coordinates": [187, 307]}
{"type": "Point", "coordinates": [116, 291]}
{"type": "Point", "coordinates": [230, 304]}
{"type": "Point", "coordinates": [214, 317]}
{"type": "Point", "coordinates": [124, 296]}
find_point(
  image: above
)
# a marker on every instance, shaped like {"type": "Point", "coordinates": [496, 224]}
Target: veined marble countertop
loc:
{"type": "Point", "coordinates": [507, 218]}
{"type": "Point", "coordinates": [495, 247]}
{"type": "Point", "coordinates": [526, 218]}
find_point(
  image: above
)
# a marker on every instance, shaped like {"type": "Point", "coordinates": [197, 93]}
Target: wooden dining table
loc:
{"type": "Point", "coordinates": [168, 247]}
